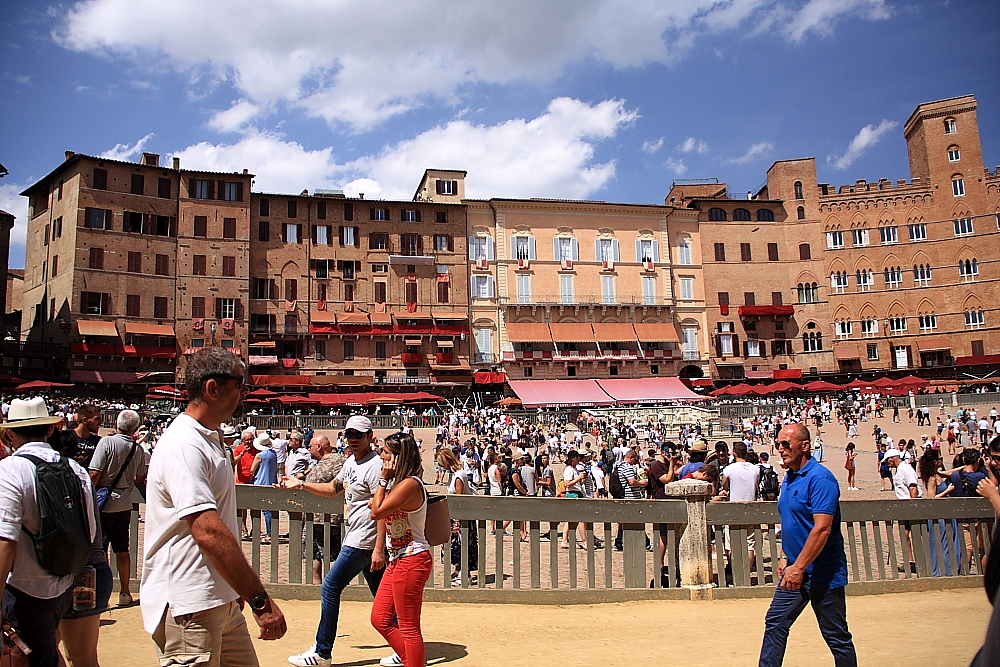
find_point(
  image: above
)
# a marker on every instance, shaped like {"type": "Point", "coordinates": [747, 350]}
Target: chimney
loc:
{"type": "Point", "coordinates": [246, 171]}
{"type": "Point", "coordinates": [177, 164]}
{"type": "Point", "coordinates": [151, 159]}
{"type": "Point", "coordinates": [361, 195]}
{"type": "Point", "coordinates": [69, 154]}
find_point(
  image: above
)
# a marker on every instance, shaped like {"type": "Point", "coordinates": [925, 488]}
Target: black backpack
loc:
{"type": "Point", "coordinates": [62, 544]}
{"type": "Point", "coordinates": [769, 483]}
{"type": "Point", "coordinates": [615, 487]}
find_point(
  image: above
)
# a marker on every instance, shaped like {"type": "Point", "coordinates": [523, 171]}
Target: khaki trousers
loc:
{"type": "Point", "coordinates": [216, 637]}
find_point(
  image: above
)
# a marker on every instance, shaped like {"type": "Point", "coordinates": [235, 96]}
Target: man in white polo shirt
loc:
{"type": "Point", "coordinates": [195, 577]}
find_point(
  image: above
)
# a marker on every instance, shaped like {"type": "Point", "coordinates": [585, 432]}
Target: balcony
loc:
{"type": "Point", "coordinates": [581, 300]}
{"type": "Point", "coordinates": [403, 379]}
{"type": "Point", "coordinates": [484, 358]}
{"type": "Point", "coordinates": [412, 357]}
{"type": "Point", "coordinates": [691, 355]}
{"type": "Point", "coordinates": [444, 357]}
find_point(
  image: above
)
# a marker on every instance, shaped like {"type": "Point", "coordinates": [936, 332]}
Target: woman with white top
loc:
{"type": "Point", "coordinates": [459, 486]}
{"type": "Point", "coordinates": [403, 507]}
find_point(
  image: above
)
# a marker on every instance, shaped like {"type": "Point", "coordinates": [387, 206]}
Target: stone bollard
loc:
{"type": "Point", "coordinates": [693, 559]}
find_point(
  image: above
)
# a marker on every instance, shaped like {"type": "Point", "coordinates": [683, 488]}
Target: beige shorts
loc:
{"type": "Point", "coordinates": [216, 637]}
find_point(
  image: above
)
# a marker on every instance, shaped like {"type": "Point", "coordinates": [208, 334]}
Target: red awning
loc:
{"type": "Point", "coordinates": [762, 311]}
{"type": "Point", "coordinates": [982, 360]}
{"type": "Point", "coordinates": [572, 332]}
{"type": "Point", "coordinates": [822, 385]}
{"type": "Point", "coordinates": [788, 374]}
{"type": "Point", "coordinates": [535, 393]}
{"type": "Point", "coordinates": [655, 332]}
{"type": "Point", "coordinates": [846, 352]}
{"type": "Point", "coordinates": [647, 390]}
{"type": "Point", "coordinates": [528, 332]}
{"type": "Point", "coordinates": [614, 332]}
{"type": "Point", "coordinates": [97, 328]}
{"type": "Point", "coordinates": [140, 329]}
{"type": "Point", "coordinates": [280, 380]}
{"type": "Point", "coordinates": [759, 375]}
{"type": "Point", "coordinates": [355, 319]}
{"type": "Point", "coordinates": [490, 377]}
{"type": "Point", "coordinates": [933, 344]}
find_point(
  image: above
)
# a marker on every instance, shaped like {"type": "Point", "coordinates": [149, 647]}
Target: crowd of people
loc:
{"type": "Point", "coordinates": [196, 580]}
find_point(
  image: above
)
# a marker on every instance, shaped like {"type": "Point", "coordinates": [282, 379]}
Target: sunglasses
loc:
{"type": "Point", "coordinates": [240, 379]}
{"type": "Point", "coordinates": [354, 435]}
{"type": "Point", "coordinates": [784, 444]}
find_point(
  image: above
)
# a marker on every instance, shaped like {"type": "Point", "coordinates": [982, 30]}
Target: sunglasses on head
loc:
{"type": "Point", "coordinates": [354, 435]}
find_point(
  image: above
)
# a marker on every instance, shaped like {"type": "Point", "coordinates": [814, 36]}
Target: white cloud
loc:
{"type": "Point", "coordinates": [652, 146]}
{"type": "Point", "coordinates": [551, 155]}
{"type": "Point", "coordinates": [676, 166]}
{"type": "Point", "coordinates": [124, 151]}
{"type": "Point", "coordinates": [867, 137]}
{"type": "Point", "coordinates": [691, 144]}
{"type": "Point", "coordinates": [17, 206]}
{"type": "Point", "coordinates": [236, 117]}
{"type": "Point", "coordinates": [755, 150]}
{"type": "Point", "coordinates": [360, 63]}
{"type": "Point", "coordinates": [24, 80]}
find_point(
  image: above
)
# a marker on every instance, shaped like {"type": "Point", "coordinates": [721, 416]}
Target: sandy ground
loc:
{"type": "Point", "coordinates": [886, 628]}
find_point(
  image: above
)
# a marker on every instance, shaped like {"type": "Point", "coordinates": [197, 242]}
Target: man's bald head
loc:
{"type": "Point", "coordinates": [797, 430]}
{"type": "Point", "coordinates": [320, 446]}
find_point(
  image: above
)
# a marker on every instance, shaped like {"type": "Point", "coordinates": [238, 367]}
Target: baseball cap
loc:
{"type": "Point", "coordinates": [359, 423]}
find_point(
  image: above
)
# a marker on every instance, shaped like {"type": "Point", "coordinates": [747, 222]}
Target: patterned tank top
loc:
{"type": "Point", "coordinates": [405, 530]}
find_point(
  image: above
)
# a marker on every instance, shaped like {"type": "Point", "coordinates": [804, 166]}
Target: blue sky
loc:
{"type": "Point", "coordinates": [600, 99]}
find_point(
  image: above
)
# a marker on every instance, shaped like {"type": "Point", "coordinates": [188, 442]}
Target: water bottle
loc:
{"type": "Point", "coordinates": [85, 589]}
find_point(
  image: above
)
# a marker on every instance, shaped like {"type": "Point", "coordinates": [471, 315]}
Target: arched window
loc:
{"type": "Point", "coordinates": [801, 212]}
{"type": "Point", "coordinates": [812, 342]}
{"type": "Point", "coordinates": [798, 190]}
{"type": "Point", "coordinates": [741, 214]}
{"type": "Point", "coordinates": [716, 215]}
{"type": "Point", "coordinates": [893, 276]}
{"type": "Point", "coordinates": [765, 215]}
{"type": "Point", "coordinates": [954, 154]}
{"type": "Point", "coordinates": [974, 318]}
{"type": "Point", "coordinates": [950, 126]}
{"type": "Point", "coordinates": [808, 292]}
{"type": "Point", "coordinates": [968, 269]}
{"type": "Point", "coordinates": [922, 274]}
{"type": "Point", "coordinates": [958, 185]}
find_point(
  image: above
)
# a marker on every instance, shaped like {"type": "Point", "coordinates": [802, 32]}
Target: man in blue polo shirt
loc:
{"type": "Point", "coordinates": [814, 567]}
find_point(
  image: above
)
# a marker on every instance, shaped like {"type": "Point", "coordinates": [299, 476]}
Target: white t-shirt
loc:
{"type": "Point", "coordinates": [743, 480]}
{"type": "Point", "coordinates": [598, 474]}
{"type": "Point", "coordinates": [280, 448]}
{"type": "Point", "coordinates": [360, 481]}
{"type": "Point", "coordinates": [901, 481]}
{"type": "Point", "coordinates": [569, 474]}
{"type": "Point", "coordinates": [188, 473]}
{"type": "Point", "coordinates": [494, 475]}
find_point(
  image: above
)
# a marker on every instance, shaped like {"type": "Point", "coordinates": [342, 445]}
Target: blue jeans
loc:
{"type": "Point", "coordinates": [267, 521]}
{"type": "Point", "coordinates": [941, 544]}
{"type": "Point", "coordinates": [348, 565]}
{"type": "Point", "coordinates": [830, 608]}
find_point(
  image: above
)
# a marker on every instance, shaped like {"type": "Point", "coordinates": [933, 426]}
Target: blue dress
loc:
{"type": "Point", "coordinates": [267, 474]}
{"type": "Point", "coordinates": [941, 542]}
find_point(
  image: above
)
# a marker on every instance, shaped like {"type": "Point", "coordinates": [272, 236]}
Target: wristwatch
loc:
{"type": "Point", "coordinates": [259, 601]}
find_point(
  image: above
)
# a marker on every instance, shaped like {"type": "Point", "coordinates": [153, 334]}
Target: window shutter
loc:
{"type": "Point", "coordinates": [451, 243]}
{"type": "Point", "coordinates": [762, 348]}
{"type": "Point", "coordinates": [746, 349]}
{"type": "Point", "coordinates": [490, 287]}
{"type": "Point", "coordinates": [512, 248]}
{"type": "Point", "coordinates": [340, 265]}
{"type": "Point", "coordinates": [638, 250]}
{"type": "Point", "coordinates": [239, 192]}
{"type": "Point", "coordinates": [238, 309]}
{"type": "Point", "coordinates": [418, 215]}
{"type": "Point", "coordinates": [315, 233]}
{"type": "Point", "coordinates": [340, 234]}
{"type": "Point", "coordinates": [438, 187]}
{"type": "Point", "coordinates": [371, 240]}
{"type": "Point", "coordinates": [371, 214]}
{"type": "Point", "coordinates": [489, 248]}
{"type": "Point", "coordinates": [736, 345]}
{"type": "Point", "coordinates": [284, 232]}
{"type": "Point", "coordinates": [218, 308]}
{"type": "Point", "coordinates": [656, 251]}
{"type": "Point", "coordinates": [87, 216]}
{"type": "Point", "coordinates": [471, 240]}
{"type": "Point", "coordinates": [597, 250]}
{"type": "Point", "coordinates": [532, 249]}
{"type": "Point", "coordinates": [576, 250]}
{"type": "Point", "coordinates": [211, 189]}
{"type": "Point", "coordinates": [357, 265]}
{"type": "Point", "coordinates": [298, 235]}
{"type": "Point", "coordinates": [420, 244]}
{"type": "Point", "coordinates": [555, 249]}
{"type": "Point", "coordinates": [191, 188]}
{"type": "Point", "coordinates": [616, 250]}
{"type": "Point", "coordinates": [718, 345]}
{"type": "Point", "coordinates": [357, 237]}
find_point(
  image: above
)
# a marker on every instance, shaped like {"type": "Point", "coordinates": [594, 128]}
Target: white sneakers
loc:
{"type": "Point", "coordinates": [309, 659]}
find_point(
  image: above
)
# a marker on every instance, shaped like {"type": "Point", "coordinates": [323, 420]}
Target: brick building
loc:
{"type": "Point", "coordinates": [872, 276]}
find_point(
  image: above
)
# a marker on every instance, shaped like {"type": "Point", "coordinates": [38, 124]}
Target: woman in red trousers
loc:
{"type": "Point", "coordinates": [401, 501]}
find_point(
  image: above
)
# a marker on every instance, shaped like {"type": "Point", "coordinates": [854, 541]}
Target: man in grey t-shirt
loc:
{"type": "Point", "coordinates": [110, 457]}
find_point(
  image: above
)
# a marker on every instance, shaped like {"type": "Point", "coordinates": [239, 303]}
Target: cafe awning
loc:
{"type": "Point", "coordinates": [614, 332]}
{"type": "Point", "coordinates": [96, 328]}
{"type": "Point", "coordinates": [528, 332]}
{"type": "Point", "coordinates": [846, 352]}
{"type": "Point", "coordinates": [445, 343]}
{"type": "Point", "coordinates": [356, 319]}
{"type": "Point", "coordinates": [262, 343]}
{"type": "Point", "coordinates": [149, 329]}
{"type": "Point", "coordinates": [412, 341]}
{"type": "Point", "coordinates": [381, 318]}
{"type": "Point", "coordinates": [571, 332]}
{"type": "Point", "coordinates": [541, 393]}
{"type": "Point", "coordinates": [655, 332]}
{"type": "Point", "coordinates": [933, 344]}
{"type": "Point", "coordinates": [648, 390]}
{"type": "Point", "coordinates": [406, 315]}
{"type": "Point", "coordinates": [451, 317]}
{"type": "Point", "coordinates": [323, 317]}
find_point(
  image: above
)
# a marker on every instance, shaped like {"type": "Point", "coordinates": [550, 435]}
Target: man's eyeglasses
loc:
{"type": "Point", "coordinates": [354, 435]}
{"type": "Point", "coordinates": [240, 379]}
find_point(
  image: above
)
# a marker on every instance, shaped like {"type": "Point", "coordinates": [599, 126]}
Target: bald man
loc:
{"type": "Point", "coordinates": [813, 568]}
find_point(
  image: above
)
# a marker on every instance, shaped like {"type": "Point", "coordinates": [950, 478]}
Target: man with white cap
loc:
{"type": "Point", "coordinates": [363, 550]}
{"type": "Point", "coordinates": [34, 597]}
{"type": "Point", "coordinates": [904, 480]}
{"type": "Point", "coordinates": [265, 473]}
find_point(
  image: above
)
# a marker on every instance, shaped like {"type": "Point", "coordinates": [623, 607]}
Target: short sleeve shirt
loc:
{"type": "Point", "coordinates": [326, 469]}
{"type": "Point", "coordinates": [657, 469]}
{"type": "Point", "coordinates": [360, 481]}
{"type": "Point", "coordinates": [109, 457]}
{"type": "Point", "coordinates": [813, 490]}
{"type": "Point", "coordinates": [626, 471]}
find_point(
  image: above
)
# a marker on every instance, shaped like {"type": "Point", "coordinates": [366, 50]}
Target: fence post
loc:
{"type": "Point", "coordinates": [693, 560]}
